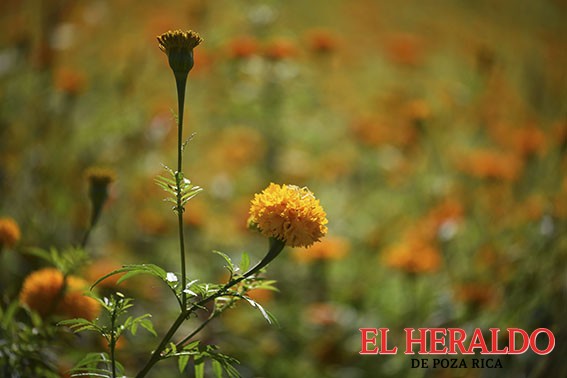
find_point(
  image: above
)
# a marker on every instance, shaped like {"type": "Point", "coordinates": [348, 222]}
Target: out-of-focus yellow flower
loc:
{"type": "Point", "coordinates": [332, 248]}
{"type": "Point", "coordinates": [41, 289]}
{"type": "Point", "coordinates": [9, 232]}
{"type": "Point", "coordinates": [290, 214]}
{"type": "Point", "coordinates": [178, 46]}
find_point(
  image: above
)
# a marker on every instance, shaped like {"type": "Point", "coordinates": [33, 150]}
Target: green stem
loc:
{"type": "Point", "coordinates": [276, 246]}
{"type": "Point", "coordinates": [196, 330]}
{"type": "Point", "coordinates": [113, 341]}
{"type": "Point", "coordinates": [181, 84]}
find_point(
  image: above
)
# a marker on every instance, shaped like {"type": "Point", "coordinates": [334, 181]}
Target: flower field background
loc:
{"type": "Point", "coordinates": [433, 132]}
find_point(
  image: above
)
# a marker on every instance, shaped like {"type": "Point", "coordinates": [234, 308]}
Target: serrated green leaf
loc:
{"type": "Point", "coordinates": [132, 270]}
{"type": "Point", "coordinates": [182, 362]}
{"type": "Point", "coordinates": [269, 317]}
{"type": "Point", "coordinates": [230, 265]}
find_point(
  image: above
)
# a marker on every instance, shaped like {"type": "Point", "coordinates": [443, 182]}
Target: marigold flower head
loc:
{"type": "Point", "coordinates": [41, 290]}
{"type": "Point", "coordinates": [290, 214]}
{"type": "Point", "coordinates": [178, 46]}
{"type": "Point", "coordinates": [9, 232]}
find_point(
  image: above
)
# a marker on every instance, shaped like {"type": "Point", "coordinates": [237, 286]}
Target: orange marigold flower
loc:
{"type": "Point", "coordinates": [290, 214]}
{"type": "Point", "coordinates": [9, 232]}
{"type": "Point", "coordinates": [41, 289]}
{"type": "Point", "coordinates": [332, 248]}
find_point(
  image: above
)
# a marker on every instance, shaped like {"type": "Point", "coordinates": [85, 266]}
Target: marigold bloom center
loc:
{"type": "Point", "coordinates": [290, 214]}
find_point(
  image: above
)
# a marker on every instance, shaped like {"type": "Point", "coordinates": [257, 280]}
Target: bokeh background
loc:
{"type": "Point", "coordinates": [433, 132]}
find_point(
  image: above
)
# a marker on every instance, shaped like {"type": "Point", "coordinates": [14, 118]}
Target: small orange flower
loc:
{"type": "Point", "coordinates": [9, 232]}
{"type": "Point", "coordinates": [41, 289]}
{"type": "Point", "coordinates": [331, 248]}
{"type": "Point", "coordinates": [290, 214]}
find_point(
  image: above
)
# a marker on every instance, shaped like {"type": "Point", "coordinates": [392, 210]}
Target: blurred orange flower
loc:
{"type": "Point", "coordinates": [331, 248]}
{"type": "Point", "coordinates": [322, 41]}
{"type": "Point", "coordinates": [525, 140]}
{"type": "Point", "coordinates": [261, 295]}
{"type": "Point", "coordinates": [101, 267]}
{"type": "Point", "coordinates": [196, 213]}
{"type": "Point", "coordinates": [152, 222]}
{"type": "Point", "coordinates": [404, 49]}
{"type": "Point", "coordinates": [476, 294]}
{"type": "Point", "coordinates": [41, 289]}
{"type": "Point", "coordinates": [289, 213]}
{"type": "Point", "coordinates": [9, 232]}
{"type": "Point", "coordinates": [413, 256]}
{"type": "Point", "coordinates": [69, 80]}
{"type": "Point", "coordinates": [324, 314]}
{"type": "Point", "coordinates": [237, 147]}
{"type": "Point", "coordinates": [378, 131]}
{"type": "Point", "coordinates": [279, 49]}
{"type": "Point", "coordinates": [492, 164]}
{"type": "Point", "coordinates": [243, 47]}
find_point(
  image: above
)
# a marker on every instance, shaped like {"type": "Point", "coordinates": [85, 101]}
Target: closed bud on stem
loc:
{"type": "Point", "coordinates": [178, 46]}
{"type": "Point", "coordinates": [99, 181]}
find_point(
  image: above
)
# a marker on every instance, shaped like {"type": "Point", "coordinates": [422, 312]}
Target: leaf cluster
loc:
{"type": "Point", "coordinates": [24, 344]}
{"type": "Point", "coordinates": [199, 353]}
{"type": "Point", "coordinates": [179, 187]}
